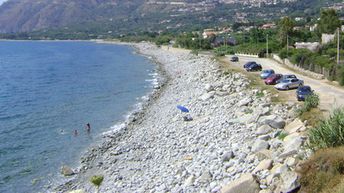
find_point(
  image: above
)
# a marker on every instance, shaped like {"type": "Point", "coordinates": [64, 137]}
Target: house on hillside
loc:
{"type": "Point", "coordinates": [221, 40]}
{"type": "Point", "coordinates": [312, 46]}
{"type": "Point", "coordinates": [327, 38]}
{"type": "Point", "coordinates": [207, 33]}
{"type": "Point", "coordinates": [268, 26]}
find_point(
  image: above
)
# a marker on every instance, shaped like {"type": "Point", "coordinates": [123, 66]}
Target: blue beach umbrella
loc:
{"type": "Point", "coordinates": [183, 109]}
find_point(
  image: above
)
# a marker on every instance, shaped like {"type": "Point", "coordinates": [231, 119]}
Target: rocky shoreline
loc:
{"type": "Point", "coordinates": [238, 140]}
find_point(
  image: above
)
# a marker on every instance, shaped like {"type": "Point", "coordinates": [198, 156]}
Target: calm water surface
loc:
{"type": "Point", "coordinates": [50, 89]}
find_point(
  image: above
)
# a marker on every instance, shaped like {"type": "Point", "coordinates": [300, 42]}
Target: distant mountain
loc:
{"type": "Point", "coordinates": [120, 16]}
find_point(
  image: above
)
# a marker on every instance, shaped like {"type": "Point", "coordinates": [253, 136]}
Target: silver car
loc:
{"type": "Point", "coordinates": [289, 83]}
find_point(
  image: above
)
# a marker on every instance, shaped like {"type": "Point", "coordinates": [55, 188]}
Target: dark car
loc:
{"type": "Point", "coordinates": [234, 59]}
{"type": "Point", "coordinates": [254, 67]}
{"type": "Point", "coordinates": [302, 92]}
{"type": "Point", "coordinates": [249, 64]}
{"type": "Point", "coordinates": [272, 80]}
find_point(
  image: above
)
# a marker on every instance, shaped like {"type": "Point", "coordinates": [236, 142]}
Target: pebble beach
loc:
{"type": "Point", "coordinates": [232, 143]}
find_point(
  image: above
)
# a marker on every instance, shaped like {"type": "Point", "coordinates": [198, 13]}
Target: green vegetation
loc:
{"type": "Point", "coordinates": [285, 29]}
{"type": "Point", "coordinates": [323, 172]}
{"type": "Point", "coordinates": [97, 180]}
{"type": "Point", "coordinates": [282, 135]}
{"type": "Point", "coordinates": [260, 94]}
{"type": "Point", "coordinates": [193, 41]}
{"type": "Point", "coordinates": [329, 132]}
{"type": "Point", "coordinates": [329, 21]}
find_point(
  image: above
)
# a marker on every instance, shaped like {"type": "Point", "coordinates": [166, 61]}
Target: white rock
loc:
{"type": "Point", "coordinates": [244, 102]}
{"type": "Point", "coordinates": [295, 126]}
{"type": "Point", "coordinates": [289, 182]}
{"type": "Point", "coordinates": [208, 87]}
{"type": "Point", "coordinates": [190, 180]}
{"type": "Point", "coordinates": [207, 96]}
{"type": "Point", "coordinates": [264, 129]}
{"type": "Point", "coordinates": [245, 184]}
{"type": "Point", "coordinates": [260, 145]}
{"type": "Point", "coordinates": [263, 165]}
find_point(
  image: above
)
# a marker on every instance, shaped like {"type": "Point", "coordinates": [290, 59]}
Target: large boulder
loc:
{"type": "Point", "coordinates": [291, 145]}
{"type": "Point", "coordinates": [289, 182]}
{"type": "Point", "coordinates": [263, 165]}
{"type": "Point", "coordinates": [273, 121]}
{"type": "Point", "coordinates": [260, 145]}
{"type": "Point", "coordinates": [295, 126]}
{"type": "Point", "coordinates": [245, 184]}
{"type": "Point", "coordinates": [244, 102]}
{"type": "Point", "coordinates": [67, 171]}
{"type": "Point", "coordinates": [264, 129]}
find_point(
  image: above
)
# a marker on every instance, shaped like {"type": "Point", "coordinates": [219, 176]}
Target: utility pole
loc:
{"type": "Point", "coordinates": [287, 45]}
{"type": "Point", "coordinates": [267, 45]}
{"type": "Point", "coordinates": [338, 46]}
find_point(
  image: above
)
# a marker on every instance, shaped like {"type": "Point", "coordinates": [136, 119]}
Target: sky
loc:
{"type": "Point", "coordinates": [2, 1]}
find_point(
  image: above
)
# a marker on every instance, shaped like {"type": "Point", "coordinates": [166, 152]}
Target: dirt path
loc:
{"type": "Point", "coordinates": [330, 96]}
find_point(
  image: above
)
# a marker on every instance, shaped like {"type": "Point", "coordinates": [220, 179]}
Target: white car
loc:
{"type": "Point", "coordinates": [289, 83]}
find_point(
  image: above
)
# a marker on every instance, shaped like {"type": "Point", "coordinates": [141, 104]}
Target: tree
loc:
{"type": "Point", "coordinates": [285, 29]}
{"type": "Point", "coordinates": [328, 22]}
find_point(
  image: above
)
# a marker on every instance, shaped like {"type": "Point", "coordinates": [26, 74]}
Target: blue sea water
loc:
{"type": "Point", "coordinates": [50, 89]}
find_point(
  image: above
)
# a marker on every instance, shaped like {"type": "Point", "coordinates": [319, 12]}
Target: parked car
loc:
{"type": "Point", "coordinates": [234, 59]}
{"type": "Point", "coordinates": [290, 83]}
{"type": "Point", "coordinates": [302, 92]}
{"type": "Point", "coordinates": [254, 67]}
{"type": "Point", "coordinates": [272, 80]}
{"type": "Point", "coordinates": [266, 73]}
{"type": "Point", "coordinates": [286, 76]}
{"type": "Point", "coordinates": [249, 64]}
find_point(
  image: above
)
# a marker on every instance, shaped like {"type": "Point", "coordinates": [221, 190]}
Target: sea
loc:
{"type": "Point", "coordinates": [49, 91]}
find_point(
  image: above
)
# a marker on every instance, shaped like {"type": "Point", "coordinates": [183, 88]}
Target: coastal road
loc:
{"type": "Point", "coordinates": [331, 96]}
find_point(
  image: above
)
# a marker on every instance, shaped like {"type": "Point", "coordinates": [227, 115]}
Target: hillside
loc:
{"type": "Point", "coordinates": [122, 16]}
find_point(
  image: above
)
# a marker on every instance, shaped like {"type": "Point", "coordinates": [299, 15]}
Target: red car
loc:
{"type": "Point", "coordinates": [271, 80]}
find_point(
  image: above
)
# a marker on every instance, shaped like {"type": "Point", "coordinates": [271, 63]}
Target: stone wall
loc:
{"type": "Point", "coordinates": [247, 55]}
{"type": "Point", "coordinates": [295, 67]}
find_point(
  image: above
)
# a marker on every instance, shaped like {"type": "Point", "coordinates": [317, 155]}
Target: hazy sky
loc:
{"type": "Point", "coordinates": [1, 1]}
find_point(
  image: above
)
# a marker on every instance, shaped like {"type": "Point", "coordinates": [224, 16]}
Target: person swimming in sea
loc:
{"type": "Point", "coordinates": [75, 132]}
{"type": "Point", "coordinates": [88, 128]}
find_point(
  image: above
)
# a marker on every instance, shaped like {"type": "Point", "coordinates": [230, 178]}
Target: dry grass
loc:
{"type": "Point", "coordinates": [323, 172]}
{"type": "Point", "coordinates": [256, 81]}
{"type": "Point", "coordinates": [313, 117]}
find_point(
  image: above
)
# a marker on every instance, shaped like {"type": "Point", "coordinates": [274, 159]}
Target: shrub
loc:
{"type": "Point", "coordinates": [329, 132]}
{"type": "Point", "coordinates": [323, 172]}
{"type": "Point", "coordinates": [283, 53]}
{"type": "Point", "coordinates": [340, 75]}
{"type": "Point", "coordinates": [260, 94]}
{"type": "Point", "coordinates": [282, 135]}
{"type": "Point", "coordinates": [311, 101]}
{"type": "Point", "coordinates": [97, 180]}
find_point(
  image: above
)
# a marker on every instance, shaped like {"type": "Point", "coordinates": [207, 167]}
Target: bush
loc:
{"type": "Point", "coordinates": [97, 180]}
{"type": "Point", "coordinates": [323, 172]}
{"type": "Point", "coordinates": [311, 101]}
{"type": "Point", "coordinates": [340, 75]}
{"type": "Point", "coordinates": [283, 53]}
{"type": "Point", "coordinates": [328, 133]}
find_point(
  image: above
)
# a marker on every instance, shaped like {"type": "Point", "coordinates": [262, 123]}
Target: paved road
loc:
{"type": "Point", "coordinates": [330, 96]}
